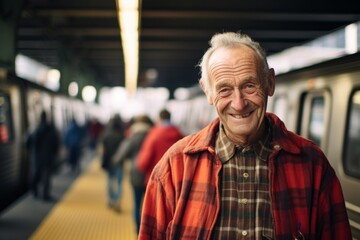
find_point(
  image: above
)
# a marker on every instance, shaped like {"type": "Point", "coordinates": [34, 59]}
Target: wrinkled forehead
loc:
{"type": "Point", "coordinates": [233, 56]}
{"type": "Point", "coordinates": [232, 60]}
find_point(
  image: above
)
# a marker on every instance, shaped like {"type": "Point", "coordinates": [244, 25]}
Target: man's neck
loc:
{"type": "Point", "coordinates": [244, 141]}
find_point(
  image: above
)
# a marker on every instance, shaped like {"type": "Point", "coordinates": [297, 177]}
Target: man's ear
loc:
{"type": "Point", "coordinates": [206, 91]}
{"type": "Point", "coordinates": [271, 82]}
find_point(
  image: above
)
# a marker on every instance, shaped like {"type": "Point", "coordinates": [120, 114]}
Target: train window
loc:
{"type": "Point", "coordinates": [352, 149]}
{"type": "Point", "coordinates": [280, 107]}
{"type": "Point", "coordinates": [315, 117]}
{"type": "Point", "coordinates": [6, 134]}
{"type": "Point", "coordinates": [316, 128]}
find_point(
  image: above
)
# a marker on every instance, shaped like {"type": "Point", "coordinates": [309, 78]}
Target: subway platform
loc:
{"type": "Point", "coordinates": [79, 210]}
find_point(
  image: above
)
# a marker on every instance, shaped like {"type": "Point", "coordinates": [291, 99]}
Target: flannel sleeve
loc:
{"type": "Point", "coordinates": [333, 220]}
{"type": "Point", "coordinates": [156, 213]}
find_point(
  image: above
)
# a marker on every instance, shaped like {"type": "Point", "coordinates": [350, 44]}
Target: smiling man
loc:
{"type": "Point", "coordinates": [244, 176]}
{"type": "Point", "coordinates": [239, 91]}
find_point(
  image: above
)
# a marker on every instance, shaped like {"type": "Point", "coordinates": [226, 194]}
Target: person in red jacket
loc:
{"type": "Point", "coordinates": [159, 139]}
{"type": "Point", "coordinates": [244, 176]}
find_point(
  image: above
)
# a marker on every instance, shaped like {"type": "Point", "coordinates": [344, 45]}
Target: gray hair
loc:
{"type": "Point", "coordinates": [231, 40]}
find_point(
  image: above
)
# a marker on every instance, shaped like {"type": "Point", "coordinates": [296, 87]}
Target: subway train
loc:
{"type": "Point", "coordinates": [21, 103]}
{"type": "Point", "coordinates": [320, 102]}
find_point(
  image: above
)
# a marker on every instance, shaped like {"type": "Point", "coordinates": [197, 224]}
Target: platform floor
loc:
{"type": "Point", "coordinates": [81, 212]}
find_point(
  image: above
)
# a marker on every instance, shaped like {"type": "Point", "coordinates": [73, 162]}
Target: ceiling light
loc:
{"type": "Point", "coordinates": [128, 17]}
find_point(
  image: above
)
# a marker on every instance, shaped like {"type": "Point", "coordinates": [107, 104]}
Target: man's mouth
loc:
{"type": "Point", "coordinates": [239, 116]}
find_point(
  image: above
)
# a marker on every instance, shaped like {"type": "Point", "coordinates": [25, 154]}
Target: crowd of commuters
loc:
{"type": "Point", "coordinates": [49, 149]}
{"type": "Point", "coordinates": [142, 143]}
{"type": "Point", "coordinates": [244, 175]}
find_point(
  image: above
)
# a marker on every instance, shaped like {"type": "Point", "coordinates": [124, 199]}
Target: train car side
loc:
{"type": "Point", "coordinates": [322, 103]}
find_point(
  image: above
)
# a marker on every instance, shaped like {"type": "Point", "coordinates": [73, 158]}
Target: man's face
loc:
{"type": "Point", "coordinates": [236, 92]}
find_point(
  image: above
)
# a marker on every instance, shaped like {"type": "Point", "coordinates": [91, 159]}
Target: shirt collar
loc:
{"type": "Point", "coordinates": [226, 149]}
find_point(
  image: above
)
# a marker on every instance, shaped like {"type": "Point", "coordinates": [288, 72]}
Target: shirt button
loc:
{"type": "Point", "coordinates": [277, 147]}
{"type": "Point", "coordinates": [245, 175]}
{"type": "Point", "coordinates": [244, 233]}
{"type": "Point", "coordinates": [244, 201]}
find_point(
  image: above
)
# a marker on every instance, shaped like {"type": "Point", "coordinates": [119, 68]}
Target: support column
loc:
{"type": "Point", "coordinates": [9, 14]}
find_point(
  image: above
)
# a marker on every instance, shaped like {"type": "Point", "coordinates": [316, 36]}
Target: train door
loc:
{"type": "Point", "coordinates": [351, 163]}
{"type": "Point", "coordinates": [352, 147]}
{"type": "Point", "coordinates": [315, 117]}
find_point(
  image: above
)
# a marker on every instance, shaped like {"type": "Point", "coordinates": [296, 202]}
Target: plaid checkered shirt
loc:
{"type": "Point", "coordinates": [244, 189]}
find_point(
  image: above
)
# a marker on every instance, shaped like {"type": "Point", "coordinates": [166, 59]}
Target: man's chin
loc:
{"type": "Point", "coordinates": [241, 130]}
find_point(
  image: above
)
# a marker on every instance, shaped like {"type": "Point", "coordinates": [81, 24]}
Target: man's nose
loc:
{"type": "Point", "coordinates": [238, 101]}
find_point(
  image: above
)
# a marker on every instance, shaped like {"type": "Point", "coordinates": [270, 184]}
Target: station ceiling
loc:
{"type": "Point", "coordinates": [173, 34]}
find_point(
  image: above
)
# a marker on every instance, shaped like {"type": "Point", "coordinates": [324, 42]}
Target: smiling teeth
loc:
{"type": "Point", "coordinates": [241, 116]}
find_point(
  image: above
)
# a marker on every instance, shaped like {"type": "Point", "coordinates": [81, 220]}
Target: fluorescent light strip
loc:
{"type": "Point", "coordinates": [128, 17]}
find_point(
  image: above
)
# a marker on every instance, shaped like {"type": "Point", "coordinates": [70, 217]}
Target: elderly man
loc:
{"type": "Point", "coordinates": [244, 176]}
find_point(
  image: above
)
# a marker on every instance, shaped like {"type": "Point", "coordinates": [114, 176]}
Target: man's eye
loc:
{"type": "Point", "coordinates": [249, 85]}
{"type": "Point", "coordinates": [249, 88]}
{"type": "Point", "coordinates": [225, 91]}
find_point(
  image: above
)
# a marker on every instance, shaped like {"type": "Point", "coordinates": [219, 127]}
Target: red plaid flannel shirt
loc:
{"type": "Point", "coordinates": [182, 197]}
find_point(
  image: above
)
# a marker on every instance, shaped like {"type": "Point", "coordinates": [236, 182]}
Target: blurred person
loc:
{"type": "Point", "coordinates": [157, 141]}
{"type": "Point", "coordinates": [112, 138]}
{"type": "Point", "coordinates": [128, 150]}
{"type": "Point", "coordinates": [244, 176]}
{"type": "Point", "coordinates": [43, 144]}
{"type": "Point", "coordinates": [94, 128]}
{"type": "Point", "coordinates": [73, 141]}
